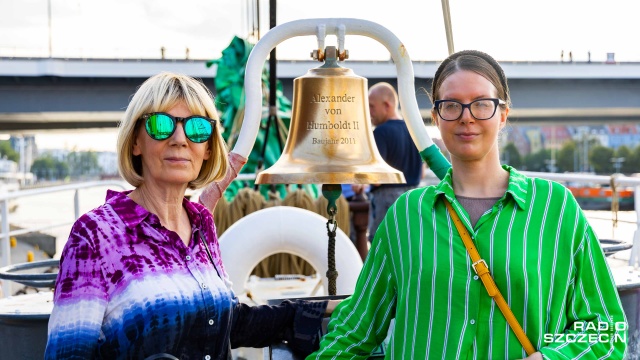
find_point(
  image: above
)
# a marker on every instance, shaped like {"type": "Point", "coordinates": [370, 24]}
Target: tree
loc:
{"type": "Point", "coordinates": [83, 163]}
{"type": "Point", "coordinates": [6, 150]}
{"type": "Point", "coordinates": [600, 159]}
{"type": "Point", "coordinates": [48, 168]}
{"type": "Point", "coordinates": [566, 159]}
{"type": "Point", "coordinates": [536, 161]}
{"type": "Point", "coordinates": [625, 153]}
{"type": "Point", "coordinates": [43, 168]}
{"type": "Point", "coordinates": [511, 155]}
{"type": "Point", "coordinates": [62, 170]}
{"type": "Point", "coordinates": [633, 162]}
{"type": "Point", "coordinates": [583, 149]}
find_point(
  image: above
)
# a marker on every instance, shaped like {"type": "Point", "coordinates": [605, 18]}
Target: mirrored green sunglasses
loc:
{"type": "Point", "coordinates": [160, 126]}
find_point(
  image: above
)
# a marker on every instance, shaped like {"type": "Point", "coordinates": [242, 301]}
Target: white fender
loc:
{"type": "Point", "coordinates": [285, 229]}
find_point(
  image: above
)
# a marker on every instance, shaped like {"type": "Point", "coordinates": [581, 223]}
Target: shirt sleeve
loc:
{"type": "Point", "coordinates": [360, 323]}
{"type": "Point", "coordinates": [80, 300]}
{"type": "Point", "coordinates": [296, 322]}
{"type": "Point", "coordinates": [597, 327]}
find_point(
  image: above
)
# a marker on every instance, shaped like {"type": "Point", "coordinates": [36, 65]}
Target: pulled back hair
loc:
{"type": "Point", "coordinates": [162, 92]}
{"type": "Point", "coordinates": [478, 62]}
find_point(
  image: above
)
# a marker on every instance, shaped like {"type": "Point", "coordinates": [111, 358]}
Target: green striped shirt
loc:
{"type": "Point", "coordinates": [544, 257]}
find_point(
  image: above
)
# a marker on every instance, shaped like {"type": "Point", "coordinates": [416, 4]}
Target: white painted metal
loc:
{"type": "Point", "coordinates": [285, 229]}
{"type": "Point", "coordinates": [399, 54]}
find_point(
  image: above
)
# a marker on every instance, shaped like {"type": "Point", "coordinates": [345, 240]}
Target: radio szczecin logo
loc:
{"type": "Point", "coordinates": [592, 332]}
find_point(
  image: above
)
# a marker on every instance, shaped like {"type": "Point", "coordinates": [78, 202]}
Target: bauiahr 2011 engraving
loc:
{"type": "Point", "coordinates": [338, 141]}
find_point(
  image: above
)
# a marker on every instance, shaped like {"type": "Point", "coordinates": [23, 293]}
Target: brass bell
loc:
{"type": "Point", "coordinates": [330, 139]}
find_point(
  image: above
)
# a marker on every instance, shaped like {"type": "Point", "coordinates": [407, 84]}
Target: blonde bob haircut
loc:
{"type": "Point", "coordinates": [161, 93]}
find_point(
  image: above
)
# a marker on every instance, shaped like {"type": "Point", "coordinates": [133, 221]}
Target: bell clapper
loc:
{"type": "Point", "coordinates": [332, 192]}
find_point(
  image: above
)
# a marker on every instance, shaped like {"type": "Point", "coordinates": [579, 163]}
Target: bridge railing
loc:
{"type": "Point", "coordinates": [6, 234]}
{"type": "Point", "coordinates": [618, 180]}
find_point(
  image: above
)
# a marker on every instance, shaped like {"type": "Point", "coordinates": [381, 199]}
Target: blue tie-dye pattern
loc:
{"type": "Point", "coordinates": [129, 288]}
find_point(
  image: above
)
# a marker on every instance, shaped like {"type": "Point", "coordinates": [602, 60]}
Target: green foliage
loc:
{"type": "Point", "coordinates": [538, 161]}
{"type": "Point", "coordinates": [566, 157]}
{"type": "Point", "coordinates": [570, 157]}
{"type": "Point", "coordinates": [511, 155]}
{"type": "Point", "coordinates": [6, 150]}
{"type": "Point", "coordinates": [627, 165]}
{"type": "Point", "coordinates": [77, 164]}
{"type": "Point", "coordinates": [632, 165]}
{"type": "Point", "coordinates": [83, 163]}
{"type": "Point", "coordinates": [229, 83]}
{"type": "Point", "coordinates": [48, 168]}
{"type": "Point", "coordinates": [600, 159]}
{"type": "Point", "coordinates": [623, 151]}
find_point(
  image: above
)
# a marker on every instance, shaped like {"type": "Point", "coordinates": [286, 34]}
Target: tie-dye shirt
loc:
{"type": "Point", "coordinates": [130, 288]}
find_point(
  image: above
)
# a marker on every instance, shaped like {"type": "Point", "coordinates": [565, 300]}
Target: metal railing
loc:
{"type": "Point", "coordinates": [618, 180]}
{"type": "Point", "coordinates": [5, 235]}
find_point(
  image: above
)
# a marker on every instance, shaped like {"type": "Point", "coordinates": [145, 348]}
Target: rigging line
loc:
{"type": "Point", "coordinates": [245, 18]}
{"type": "Point", "coordinates": [250, 18]}
{"type": "Point", "coordinates": [257, 15]}
{"type": "Point", "coordinates": [446, 14]}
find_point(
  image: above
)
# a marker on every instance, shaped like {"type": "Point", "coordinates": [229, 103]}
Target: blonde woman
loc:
{"type": "Point", "coordinates": [141, 276]}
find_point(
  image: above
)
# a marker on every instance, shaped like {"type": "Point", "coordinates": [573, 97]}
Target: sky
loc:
{"type": "Point", "coordinates": [509, 30]}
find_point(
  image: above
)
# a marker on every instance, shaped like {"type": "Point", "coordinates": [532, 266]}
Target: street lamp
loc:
{"type": "Point", "coordinates": [49, 17]}
{"type": "Point", "coordinates": [617, 163]}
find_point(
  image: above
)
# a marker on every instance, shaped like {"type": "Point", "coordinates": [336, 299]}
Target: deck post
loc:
{"type": "Point", "coordinates": [633, 258]}
{"type": "Point", "coordinates": [5, 244]}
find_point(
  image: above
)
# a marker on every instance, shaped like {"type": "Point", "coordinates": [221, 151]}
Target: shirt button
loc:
{"type": "Point", "coordinates": [203, 285]}
{"type": "Point", "coordinates": [207, 357]}
{"type": "Point", "coordinates": [188, 257]}
{"type": "Point", "coordinates": [210, 321]}
{"type": "Point", "coordinates": [472, 321]}
{"type": "Point", "coordinates": [475, 277]}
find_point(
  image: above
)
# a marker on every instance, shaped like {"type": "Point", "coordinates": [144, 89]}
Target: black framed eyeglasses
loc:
{"type": "Point", "coordinates": [160, 126]}
{"type": "Point", "coordinates": [480, 109]}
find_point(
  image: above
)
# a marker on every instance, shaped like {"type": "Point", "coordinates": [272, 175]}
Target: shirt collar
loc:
{"type": "Point", "coordinates": [133, 214]}
{"type": "Point", "coordinates": [517, 188]}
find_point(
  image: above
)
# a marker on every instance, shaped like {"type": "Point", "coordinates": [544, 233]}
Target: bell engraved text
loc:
{"type": "Point", "coordinates": [317, 98]}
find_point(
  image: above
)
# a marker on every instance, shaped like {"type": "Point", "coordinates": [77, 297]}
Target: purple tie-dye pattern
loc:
{"type": "Point", "coordinates": [117, 258]}
{"type": "Point", "coordinates": [128, 288]}
{"type": "Point", "coordinates": [121, 223]}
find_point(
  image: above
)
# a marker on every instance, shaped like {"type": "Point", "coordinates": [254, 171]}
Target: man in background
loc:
{"type": "Point", "coordinates": [396, 148]}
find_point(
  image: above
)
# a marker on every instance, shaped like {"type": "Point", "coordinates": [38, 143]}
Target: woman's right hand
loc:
{"type": "Point", "coordinates": [213, 192]}
{"type": "Point", "coordinates": [331, 305]}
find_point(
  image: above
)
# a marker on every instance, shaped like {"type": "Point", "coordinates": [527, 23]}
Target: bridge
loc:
{"type": "Point", "coordinates": [52, 93]}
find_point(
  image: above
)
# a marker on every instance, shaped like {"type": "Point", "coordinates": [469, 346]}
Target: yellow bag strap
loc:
{"type": "Point", "coordinates": [482, 270]}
